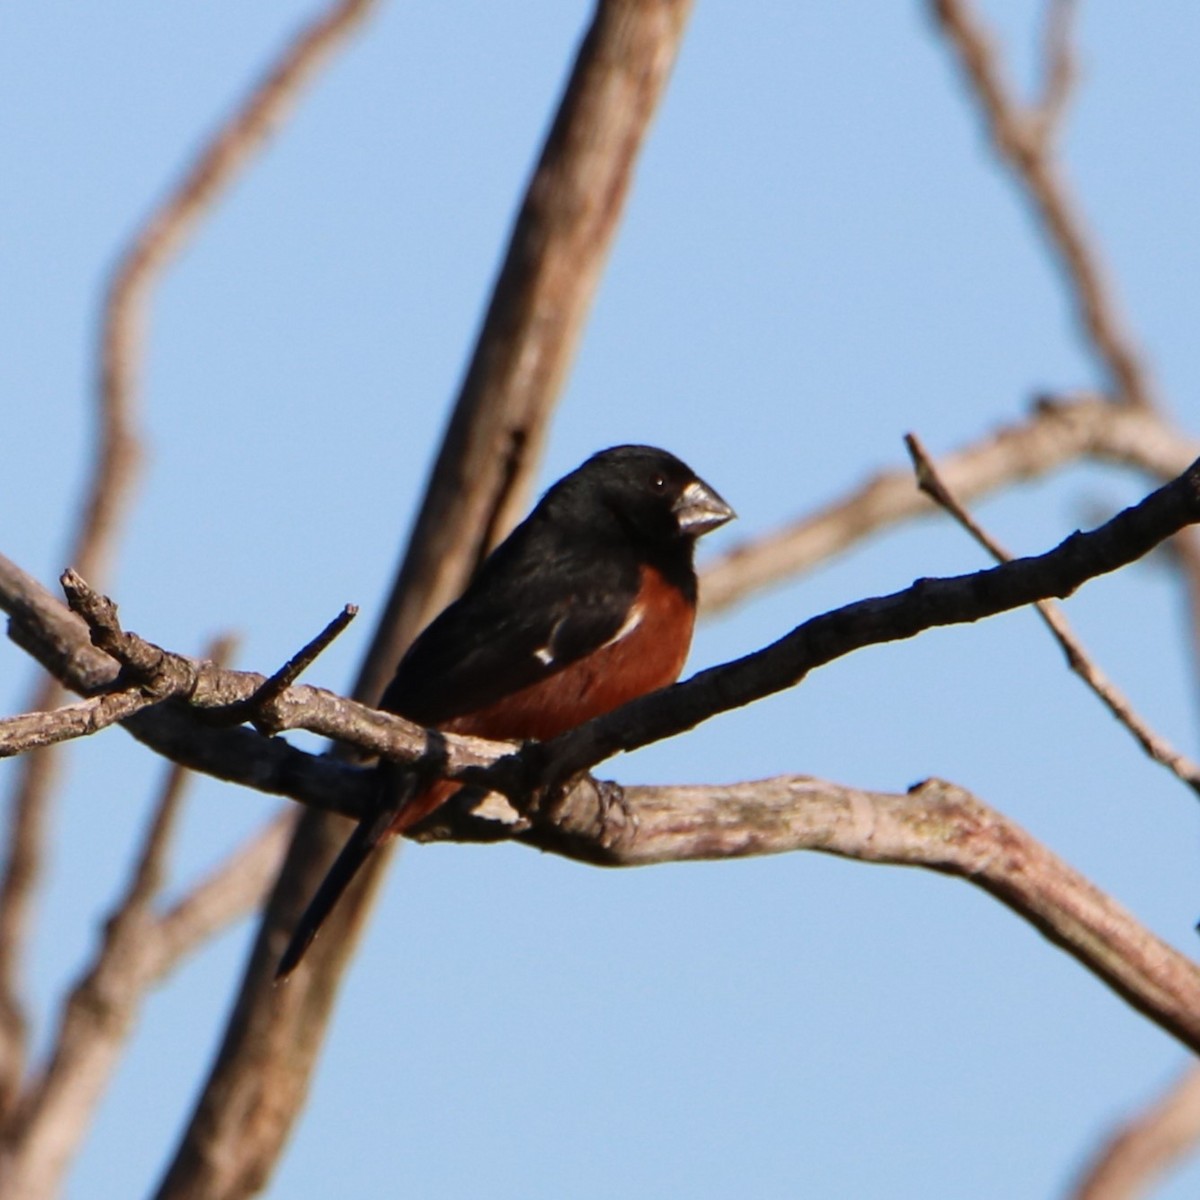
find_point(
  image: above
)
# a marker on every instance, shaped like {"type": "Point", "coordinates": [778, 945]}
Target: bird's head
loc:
{"type": "Point", "coordinates": [651, 494]}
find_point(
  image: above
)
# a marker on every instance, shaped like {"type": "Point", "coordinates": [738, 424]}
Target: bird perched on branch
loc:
{"type": "Point", "coordinates": [589, 603]}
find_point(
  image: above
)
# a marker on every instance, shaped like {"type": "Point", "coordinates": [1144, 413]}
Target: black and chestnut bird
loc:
{"type": "Point", "coordinates": [588, 603]}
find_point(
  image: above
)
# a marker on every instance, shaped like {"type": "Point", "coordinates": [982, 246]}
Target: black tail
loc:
{"type": "Point", "coordinates": [366, 836]}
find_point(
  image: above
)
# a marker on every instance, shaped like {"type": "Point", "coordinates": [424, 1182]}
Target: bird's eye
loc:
{"type": "Point", "coordinates": [658, 483]}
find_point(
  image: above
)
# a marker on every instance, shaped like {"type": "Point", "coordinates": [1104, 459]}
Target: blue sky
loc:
{"type": "Point", "coordinates": [819, 255]}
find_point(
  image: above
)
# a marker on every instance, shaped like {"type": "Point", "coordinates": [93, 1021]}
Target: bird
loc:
{"type": "Point", "coordinates": [589, 603]}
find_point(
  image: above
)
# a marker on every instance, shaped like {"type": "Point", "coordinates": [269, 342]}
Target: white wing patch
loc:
{"type": "Point", "coordinates": [545, 654]}
{"type": "Point", "coordinates": [636, 613]}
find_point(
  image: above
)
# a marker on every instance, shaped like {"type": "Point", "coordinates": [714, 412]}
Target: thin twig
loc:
{"type": "Point", "coordinates": [1145, 1147]}
{"type": "Point", "coordinates": [1156, 746]}
{"type": "Point", "coordinates": [1054, 435]}
{"type": "Point", "coordinates": [29, 731]}
{"type": "Point", "coordinates": [1059, 67]}
{"type": "Point", "coordinates": [258, 704]}
{"type": "Point", "coordinates": [238, 886]}
{"type": "Point", "coordinates": [108, 492]}
{"type": "Point", "coordinates": [1018, 137]}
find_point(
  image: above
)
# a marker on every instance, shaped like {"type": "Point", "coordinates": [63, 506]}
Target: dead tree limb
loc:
{"type": "Point", "coordinates": [557, 250]}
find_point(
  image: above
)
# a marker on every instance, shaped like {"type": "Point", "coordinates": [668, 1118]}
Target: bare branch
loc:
{"type": "Point", "coordinates": [1055, 434]}
{"type": "Point", "coordinates": [19, 735]}
{"type": "Point", "coordinates": [935, 825]}
{"type": "Point", "coordinates": [1146, 1147]}
{"type": "Point", "coordinates": [109, 489]}
{"type": "Point", "coordinates": [274, 687]}
{"type": "Point", "coordinates": [558, 247]}
{"type": "Point", "coordinates": [539, 767]}
{"type": "Point", "coordinates": [237, 887]}
{"type": "Point", "coordinates": [99, 1014]}
{"type": "Point", "coordinates": [231, 147]}
{"type": "Point", "coordinates": [1059, 70]}
{"type": "Point", "coordinates": [1019, 138]}
{"type": "Point", "coordinates": [1156, 746]}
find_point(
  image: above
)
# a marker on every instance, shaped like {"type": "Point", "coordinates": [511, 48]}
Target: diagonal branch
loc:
{"type": "Point", "coordinates": [237, 887]}
{"type": "Point", "coordinates": [536, 770]}
{"type": "Point", "coordinates": [935, 825]}
{"type": "Point", "coordinates": [1078, 659]}
{"type": "Point", "coordinates": [1146, 1146]}
{"type": "Point", "coordinates": [1055, 434]}
{"type": "Point", "coordinates": [558, 247]}
{"type": "Point", "coordinates": [928, 603]}
{"type": "Point", "coordinates": [57, 1108]}
{"type": "Point", "coordinates": [1020, 136]}
{"type": "Point", "coordinates": [108, 491]}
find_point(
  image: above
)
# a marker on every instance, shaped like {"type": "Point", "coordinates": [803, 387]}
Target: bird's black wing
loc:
{"type": "Point", "coordinates": [537, 605]}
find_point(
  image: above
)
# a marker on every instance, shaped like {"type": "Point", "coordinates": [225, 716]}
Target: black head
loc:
{"type": "Point", "coordinates": [643, 491]}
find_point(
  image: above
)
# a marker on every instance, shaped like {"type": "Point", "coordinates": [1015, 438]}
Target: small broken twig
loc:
{"type": "Point", "coordinates": [255, 708]}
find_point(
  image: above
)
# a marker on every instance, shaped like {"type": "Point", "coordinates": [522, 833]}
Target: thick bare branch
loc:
{"type": "Point", "coordinates": [935, 825]}
{"type": "Point", "coordinates": [559, 244]}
